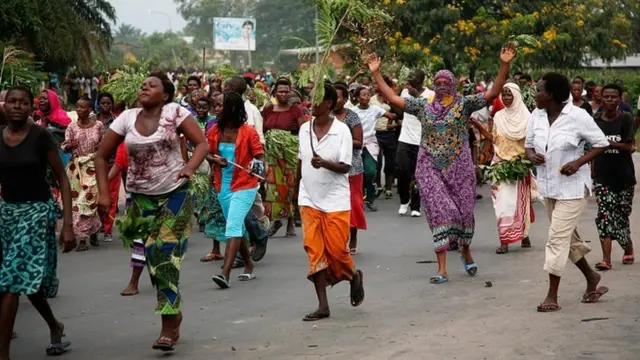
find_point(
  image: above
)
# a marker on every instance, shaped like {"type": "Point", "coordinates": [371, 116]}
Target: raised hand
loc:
{"type": "Point", "coordinates": [508, 53]}
{"type": "Point", "coordinates": [374, 62]}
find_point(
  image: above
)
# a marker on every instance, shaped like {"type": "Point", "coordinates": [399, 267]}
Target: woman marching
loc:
{"type": "Point", "coordinates": [28, 216]}
{"type": "Point", "coordinates": [281, 126]}
{"type": "Point", "coordinates": [106, 117]}
{"type": "Point", "coordinates": [356, 172]}
{"type": "Point", "coordinates": [511, 199]}
{"type": "Point", "coordinates": [82, 140]}
{"type": "Point", "coordinates": [232, 141]}
{"type": "Point", "coordinates": [445, 171]}
{"type": "Point", "coordinates": [158, 179]}
{"type": "Point", "coordinates": [614, 178]}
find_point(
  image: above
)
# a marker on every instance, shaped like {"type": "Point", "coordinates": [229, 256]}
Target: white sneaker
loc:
{"type": "Point", "coordinates": [415, 213]}
{"type": "Point", "coordinates": [404, 209]}
{"type": "Point", "coordinates": [108, 238]}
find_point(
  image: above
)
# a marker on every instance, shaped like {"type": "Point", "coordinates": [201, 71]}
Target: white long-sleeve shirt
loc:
{"type": "Point", "coordinates": [254, 118]}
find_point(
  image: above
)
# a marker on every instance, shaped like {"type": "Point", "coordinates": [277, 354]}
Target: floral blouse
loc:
{"type": "Point", "coordinates": [444, 139]}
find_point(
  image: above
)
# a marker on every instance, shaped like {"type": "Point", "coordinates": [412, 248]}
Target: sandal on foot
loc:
{"type": "Point", "coordinates": [290, 234]}
{"type": "Point", "coordinates": [502, 250]}
{"type": "Point", "coordinates": [471, 269]}
{"type": "Point", "coordinates": [82, 246]}
{"type": "Point", "coordinates": [439, 279]}
{"type": "Point", "coordinates": [353, 251]}
{"type": "Point", "coordinates": [315, 316]}
{"type": "Point", "coordinates": [603, 266]}
{"type": "Point", "coordinates": [246, 277]}
{"type": "Point", "coordinates": [628, 259]}
{"type": "Point", "coordinates": [594, 296]}
{"type": "Point", "coordinates": [275, 227]}
{"type": "Point", "coordinates": [58, 349]}
{"type": "Point", "coordinates": [211, 257]}
{"type": "Point", "coordinates": [221, 281]}
{"type": "Point", "coordinates": [526, 243]}
{"type": "Point", "coordinates": [551, 307]}
{"type": "Point", "coordinates": [357, 290]}
{"type": "Point", "coordinates": [163, 343]}
{"type": "Point", "coordinates": [259, 252]}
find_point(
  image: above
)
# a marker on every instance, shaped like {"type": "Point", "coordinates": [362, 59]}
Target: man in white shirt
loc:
{"type": "Point", "coordinates": [324, 197]}
{"type": "Point", "coordinates": [555, 143]}
{"type": "Point", "coordinates": [408, 146]}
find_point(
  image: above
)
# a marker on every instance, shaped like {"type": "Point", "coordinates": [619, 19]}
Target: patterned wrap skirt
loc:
{"type": "Point", "coordinates": [614, 210]}
{"type": "Point", "coordinates": [29, 248]}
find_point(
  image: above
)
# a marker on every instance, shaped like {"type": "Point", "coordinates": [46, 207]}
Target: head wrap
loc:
{"type": "Point", "coordinates": [56, 113]}
{"type": "Point", "coordinates": [446, 95]}
{"type": "Point", "coordinates": [512, 121]}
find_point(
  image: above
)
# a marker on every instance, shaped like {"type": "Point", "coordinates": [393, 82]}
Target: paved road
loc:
{"type": "Point", "coordinates": [403, 316]}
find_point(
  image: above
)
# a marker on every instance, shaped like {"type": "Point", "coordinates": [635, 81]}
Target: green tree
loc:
{"type": "Point", "coordinates": [61, 33]}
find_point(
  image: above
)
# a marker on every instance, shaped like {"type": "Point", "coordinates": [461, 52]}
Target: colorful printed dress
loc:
{"type": "Point", "coordinates": [83, 144]}
{"type": "Point", "coordinates": [445, 171]}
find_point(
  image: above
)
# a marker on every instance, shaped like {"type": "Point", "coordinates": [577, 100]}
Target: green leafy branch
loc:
{"type": "Point", "coordinates": [508, 171]}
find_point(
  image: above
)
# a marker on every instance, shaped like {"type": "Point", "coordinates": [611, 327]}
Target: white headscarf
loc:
{"type": "Point", "coordinates": [512, 121]}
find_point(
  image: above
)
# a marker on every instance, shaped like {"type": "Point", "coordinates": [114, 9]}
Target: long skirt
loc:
{"type": "Point", "coordinates": [84, 194]}
{"type": "Point", "coordinates": [163, 222]}
{"type": "Point", "coordinates": [282, 163]}
{"type": "Point", "coordinates": [514, 210]}
{"type": "Point", "coordinates": [614, 210]}
{"type": "Point", "coordinates": [325, 241]}
{"type": "Point", "coordinates": [212, 216]}
{"type": "Point", "coordinates": [448, 198]}
{"type": "Point", "coordinates": [29, 248]}
{"type": "Point", "coordinates": [358, 217]}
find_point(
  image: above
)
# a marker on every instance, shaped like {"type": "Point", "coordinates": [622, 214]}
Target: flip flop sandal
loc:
{"type": "Point", "coordinates": [603, 266]}
{"type": "Point", "coordinates": [353, 251]}
{"type": "Point", "coordinates": [221, 281]}
{"type": "Point", "coordinates": [259, 252]}
{"type": "Point", "coordinates": [471, 269]}
{"type": "Point", "coordinates": [501, 250]}
{"type": "Point", "coordinates": [163, 344]}
{"type": "Point", "coordinates": [357, 290]}
{"type": "Point", "coordinates": [58, 349]}
{"type": "Point", "coordinates": [548, 308]}
{"type": "Point", "coordinates": [246, 277]}
{"type": "Point", "coordinates": [211, 257]}
{"type": "Point", "coordinates": [290, 234]}
{"type": "Point", "coordinates": [628, 259]}
{"type": "Point", "coordinates": [439, 279]}
{"type": "Point", "coordinates": [275, 227]}
{"type": "Point", "coordinates": [130, 294]}
{"type": "Point", "coordinates": [594, 296]}
{"type": "Point", "coordinates": [315, 316]}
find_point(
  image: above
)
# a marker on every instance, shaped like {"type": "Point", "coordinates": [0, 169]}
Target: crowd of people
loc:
{"type": "Point", "coordinates": [210, 152]}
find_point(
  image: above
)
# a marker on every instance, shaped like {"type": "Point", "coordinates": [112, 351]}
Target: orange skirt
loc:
{"type": "Point", "coordinates": [358, 218]}
{"type": "Point", "coordinates": [325, 241]}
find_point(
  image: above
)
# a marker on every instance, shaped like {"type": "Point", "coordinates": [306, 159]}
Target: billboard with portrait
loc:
{"type": "Point", "coordinates": [234, 34]}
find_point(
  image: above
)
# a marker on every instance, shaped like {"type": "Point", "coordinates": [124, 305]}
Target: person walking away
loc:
{"type": "Point", "coordinates": [28, 216]}
{"type": "Point", "coordinates": [356, 171]}
{"type": "Point", "coordinates": [511, 199]}
{"type": "Point", "coordinates": [444, 169]}
{"type": "Point", "coordinates": [158, 179]}
{"type": "Point", "coordinates": [369, 114]}
{"type": "Point", "coordinates": [614, 178]}
{"type": "Point", "coordinates": [82, 140]}
{"type": "Point", "coordinates": [409, 145]}
{"type": "Point", "coordinates": [555, 137]}
{"type": "Point", "coordinates": [231, 140]}
{"type": "Point", "coordinates": [325, 154]}
{"type": "Point", "coordinates": [387, 138]}
{"type": "Point", "coordinates": [281, 126]}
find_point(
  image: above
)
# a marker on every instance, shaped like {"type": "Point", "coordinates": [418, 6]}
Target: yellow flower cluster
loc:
{"type": "Point", "coordinates": [386, 2]}
{"type": "Point", "coordinates": [435, 40]}
{"type": "Point", "coordinates": [580, 23]}
{"type": "Point", "coordinates": [550, 34]}
{"type": "Point", "coordinates": [528, 50]}
{"type": "Point", "coordinates": [466, 27]}
{"type": "Point", "coordinates": [400, 2]}
{"type": "Point", "coordinates": [618, 43]}
{"type": "Point", "coordinates": [472, 52]}
{"type": "Point", "coordinates": [536, 15]}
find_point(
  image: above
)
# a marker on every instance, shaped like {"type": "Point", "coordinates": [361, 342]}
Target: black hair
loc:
{"type": "Point", "coordinates": [205, 100]}
{"type": "Point", "coordinates": [233, 113]}
{"type": "Point", "coordinates": [613, 86]}
{"type": "Point", "coordinates": [237, 84]}
{"type": "Point", "coordinates": [518, 73]}
{"type": "Point", "coordinates": [24, 89]}
{"type": "Point", "coordinates": [526, 77]}
{"type": "Point", "coordinates": [248, 23]}
{"type": "Point", "coordinates": [86, 98]}
{"type": "Point", "coordinates": [388, 81]}
{"type": "Point", "coordinates": [341, 86]}
{"type": "Point", "coordinates": [419, 74]}
{"type": "Point", "coordinates": [194, 78]}
{"type": "Point", "coordinates": [121, 104]}
{"type": "Point", "coordinates": [282, 81]}
{"type": "Point", "coordinates": [167, 85]}
{"type": "Point", "coordinates": [558, 86]}
{"type": "Point", "coordinates": [359, 90]}
{"type": "Point", "coordinates": [366, 76]}
{"type": "Point", "coordinates": [579, 78]}
{"type": "Point", "coordinates": [330, 94]}
{"type": "Point", "coordinates": [577, 82]}
{"type": "Point", "coordinates": [107, 95]}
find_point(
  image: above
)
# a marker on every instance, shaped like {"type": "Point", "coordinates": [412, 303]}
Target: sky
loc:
{"type": "Point", "coordinates": [137, 13]}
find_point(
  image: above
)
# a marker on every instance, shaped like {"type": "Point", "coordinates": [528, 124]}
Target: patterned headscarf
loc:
{"type": "Point", "coordinates": [446, 95]}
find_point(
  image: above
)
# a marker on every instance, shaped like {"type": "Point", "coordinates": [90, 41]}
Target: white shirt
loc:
{"type": "Point", "coordinates": [323, 189]}
{"type": "Point", "coordinates": [561, 143]}
{"type": "Point", "coordinates": [411, 131]}
{"type": "Point", "coordinates": [254, 118]}
{"type": "Point", "coordinates": [368, 118]}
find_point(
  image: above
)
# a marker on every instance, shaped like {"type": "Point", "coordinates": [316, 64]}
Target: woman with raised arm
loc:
{"type": "Point", "coordinates": [158, 179]}
{"type": "Point", "coordinates": [445, 172]}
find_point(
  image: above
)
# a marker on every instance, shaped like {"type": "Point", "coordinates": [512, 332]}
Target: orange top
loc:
{"type": "Point", "coordinates": [247, 148]}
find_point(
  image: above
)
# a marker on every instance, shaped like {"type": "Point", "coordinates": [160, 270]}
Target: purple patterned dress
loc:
{"type": "Point", "coordinates": [445, 171]}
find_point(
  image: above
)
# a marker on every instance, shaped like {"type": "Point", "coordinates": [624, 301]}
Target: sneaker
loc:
{"type": "Point", "coordinates": [415, 213]}
{"type": "Point", "coordinates": [404, 209]}
{"type": "Point", "coordinates": [108, 238]}
{"type": "Point", "coordinates": [388, 194]}
{"type": "Point", "coordinates": [379, 191]}
{"type": "Point", "coordinates": [370, 206]}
